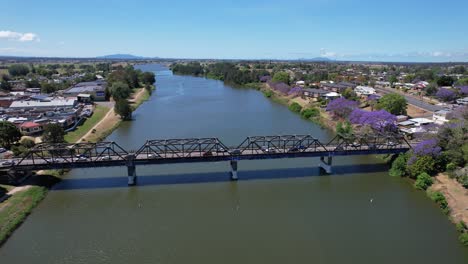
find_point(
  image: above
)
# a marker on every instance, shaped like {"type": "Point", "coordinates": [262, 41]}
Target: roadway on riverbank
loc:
{"type": "Point", "coordinates": [412, 100]}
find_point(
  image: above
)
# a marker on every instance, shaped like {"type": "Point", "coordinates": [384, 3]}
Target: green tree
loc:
{"type": "Point", "coordinates": [310, 112]}
{"type": "Point", "coordinates": [268, 93]}
{"type": "Point", "coordinates": [295, 107]}
{"type": "Point", "coordinates": [344, 128]}
{"type": "Point", "coordinates": [18, 69]}
{"type": "Point", "coordinates": [398, 168]}
{"type": "Point", "coordinates": [53, 133]}
{"type": "Point", "coordinates": [149, 88]}
{"type": "Point", "coordinates": [148, 78]}
{"type": "Point", "coordinates": [27, 143]}
{"type": "Point", "coordinates": [4, 83]}
{"type": "Point", "coordinates": [445, 81]}
{"type": "Point", "coordinates": [123, 109]}
{"type": "Point", "coordinates": [9, 134]}
{"type": "Point", "coordinates": [439, 198]}
{"type": "Point", "coordinates": [349, 94]}
{"type": "Point", "coordinates": [120, 91]}
{"type": "Point", "coordinates": [281, 77]}
{"type": "Point", "coordinates": [393, 103]}
{"type": "Point", "coordinates": [423, 181]}
{"type": "Point", "coordinates": [421, 164]}
{"type": "Point", "coordinates": [392, 79]}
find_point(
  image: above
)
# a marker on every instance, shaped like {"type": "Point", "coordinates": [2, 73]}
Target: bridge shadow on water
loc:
{"type": "Point", "coordinates": [212, 177]}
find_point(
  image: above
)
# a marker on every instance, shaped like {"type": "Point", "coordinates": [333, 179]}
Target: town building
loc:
{"type": "Point", "coordinates": [364, 90]}
{"type": "Point", "coordinates": [441, 117]}
{"type": "Point", "coordinates": [53, 103]}
{"type": "Point", "coordinates": [31, 128]}
{"type": "Point", "coordinates": [97, 90]}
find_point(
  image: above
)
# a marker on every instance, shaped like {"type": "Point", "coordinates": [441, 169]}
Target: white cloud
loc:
{"type": "Point", "coordinates": [327, 54]}
{"type": "Point", "coordinates": [17, 36]}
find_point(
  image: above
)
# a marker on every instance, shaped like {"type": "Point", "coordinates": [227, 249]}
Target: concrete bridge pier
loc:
{"type": "Point", "coordinates": [131, 169]}
{"type": "Point", "coordinates": [234, 170]}
{"type": "Point", "coordinates": [326, 164]}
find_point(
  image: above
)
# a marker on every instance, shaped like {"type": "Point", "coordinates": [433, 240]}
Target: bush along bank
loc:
{"type": "Point", "coordinates": [445, 151]}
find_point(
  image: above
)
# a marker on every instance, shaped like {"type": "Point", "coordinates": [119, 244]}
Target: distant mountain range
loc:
{"type": "Point", "coordinates": [123, 57]}
{"type": "Point", "coordinates": [316, 59]}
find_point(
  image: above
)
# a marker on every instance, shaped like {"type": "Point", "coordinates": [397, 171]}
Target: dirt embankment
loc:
{"type": "Point", "coordinates": [456, 195]}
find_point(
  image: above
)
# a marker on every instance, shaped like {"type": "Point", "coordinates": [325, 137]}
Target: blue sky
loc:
{"type": "Point", "coordinates": [397, 30]}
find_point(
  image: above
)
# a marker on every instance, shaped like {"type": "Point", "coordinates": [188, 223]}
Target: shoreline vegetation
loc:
{"type": "Point", "coordinates": [420, 164]}
{"type": "Point", "coordinates": [20, 201]}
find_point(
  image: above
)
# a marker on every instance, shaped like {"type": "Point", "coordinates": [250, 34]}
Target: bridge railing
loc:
{"type": "Point", "coordinates": [182, 148]}
{"type": "Point", "coordinates": [65, 153]}
{"type": "Point", "coordinates": [52, 153]}
{"type": "Point", "coordinates": [374, 141]}
{"type": "Point", "coordinates": [280, 144]}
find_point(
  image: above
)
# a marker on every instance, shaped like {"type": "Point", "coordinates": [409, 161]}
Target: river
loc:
{"type": "Point", "coordinates": [280, 211]}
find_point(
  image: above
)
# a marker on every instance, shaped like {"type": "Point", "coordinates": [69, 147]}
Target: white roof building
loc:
{"type": "Point", "coordinates": [57, 102]}
{"type": "Point", "coordinates": [440, 117]}
{"type": "Point", "coordinates": [421, 121]}
{"type": "Point", "coordinates": [364, 90]}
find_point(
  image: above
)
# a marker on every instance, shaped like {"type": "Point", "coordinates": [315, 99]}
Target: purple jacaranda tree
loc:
{"type": "Point", "coordinates": [265, 78]}
{"type": "Point", "coordinates": [427, 147]}
{"type": "Point", "coordinates": [446, 95]}
{"type": "Point", "coordinates": [381, 120]}
{"type": "Point", "coordinates": [460, 113]}
{"type": "Point", "coordinates": [341, 107]}
{"type": "Point", "coordinates": [372, 99]}
{"type": "Point", "coordinates": [280, 87]}
{"type": "Point", "coordinates": [295, 91]}
{"type": "Point", "coordinates": [463, 90]}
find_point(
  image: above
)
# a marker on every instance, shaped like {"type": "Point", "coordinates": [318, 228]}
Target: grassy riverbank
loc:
{"type": "Point", "coordinates": [18, 207]}
{"type": "Point", "coordinates": [319, 117]}
{"type": "Point", "coordinates": [99, 112]}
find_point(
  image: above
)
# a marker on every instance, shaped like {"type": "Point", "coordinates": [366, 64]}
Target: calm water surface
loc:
{"type": "Point", "coordinates": [280, 211]}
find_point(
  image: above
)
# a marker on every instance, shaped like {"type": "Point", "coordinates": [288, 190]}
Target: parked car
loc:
{"type": "Point", "coordinates": [293, 149]}
{"type": "Point", "coordinates": [104, 158]}
{"type": "Point", "coordinates": [392, 144]}
{"type": "Point", "coordinates": [52, 160]}
{"type": "Point", "coordinates": [207, 154]}
{"type": "Point", "coordinates": [152, 156]}
{"type": "Point", "coordinates": [2, 150]}
{"type": "Point", "coordinates": [235, 152]}
{"type": "Point", "coordinates": [268, 150]}
{"type": "Point", "coordinates": [82, 158]}
{"type": "Point", "coordinates": [355, 144]}
{"type": "Point", "coordinates": [8, 163]}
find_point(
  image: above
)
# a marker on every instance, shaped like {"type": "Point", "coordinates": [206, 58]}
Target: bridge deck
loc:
{"type": "Point", "coordinates": [148, 158]}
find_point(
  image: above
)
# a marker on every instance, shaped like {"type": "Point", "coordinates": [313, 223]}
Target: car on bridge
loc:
{"type": "Point", "coordinates": [105, 158]}
{"type": "Point", "coordinates": [208, 154]}
{"type": "Point", "coordinates": [8, 163]}
{"type": "Point", "coordinates": [268, 150]}
{"type": "Point", "coordinates": [235, 152]}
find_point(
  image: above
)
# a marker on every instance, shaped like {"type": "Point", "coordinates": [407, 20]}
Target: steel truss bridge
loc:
{"type": "Point", "coordinates": [164, 151]}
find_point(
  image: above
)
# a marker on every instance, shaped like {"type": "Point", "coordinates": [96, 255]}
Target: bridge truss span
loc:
{"type": "Point", "coordinates": [186, 150]}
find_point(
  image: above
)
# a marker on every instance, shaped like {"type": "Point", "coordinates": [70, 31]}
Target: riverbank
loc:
{"type": "Point", "coordinates": [20, 201]}
{"type": "Point", "coordinates": [456, 195]}
{"type": "Point", "coordinates": [323, 119]}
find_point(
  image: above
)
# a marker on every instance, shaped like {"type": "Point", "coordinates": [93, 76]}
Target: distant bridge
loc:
{"type": "Point", "coordinates": [164, 151]}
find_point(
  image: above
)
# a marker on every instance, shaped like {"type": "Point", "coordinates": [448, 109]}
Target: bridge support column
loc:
{"type": "Point", "coordinates": [131, 169]}
{"type": "Point", "coordinates": [326, 164]}
{"type": "Point", "coordinates": [234, 170]}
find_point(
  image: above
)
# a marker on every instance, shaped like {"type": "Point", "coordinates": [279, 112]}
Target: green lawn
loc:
{"type": "Point", "coordinates": [99, 113]}
{"type": "Point", "coordinates": [17, 208]}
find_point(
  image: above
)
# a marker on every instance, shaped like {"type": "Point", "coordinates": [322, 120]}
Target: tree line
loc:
{"type": "Point", "coordinates": [120, 85]}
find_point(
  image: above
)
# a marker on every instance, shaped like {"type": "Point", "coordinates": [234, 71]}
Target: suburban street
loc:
{"type": "Point", "coordinates": [413, 100]}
